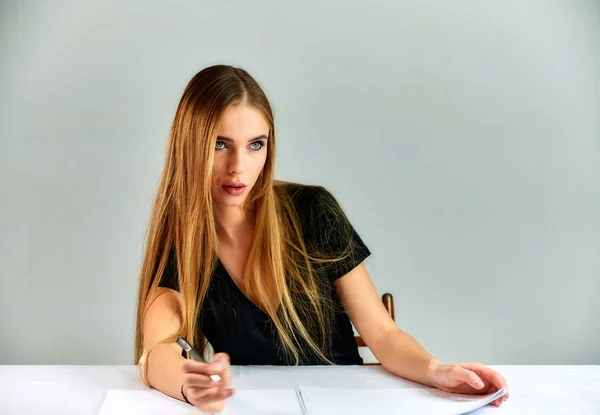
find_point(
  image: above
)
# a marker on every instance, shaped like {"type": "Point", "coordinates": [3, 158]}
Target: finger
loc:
{"type": "Point", "coordinates": [198, 380]}
{"type": "Point", "coordinates": [220, 362]}
{"type": "Point", "coordinates": [196, 395]}
{"type": "Point", "coordinates": [486, 373]}
{"type": "Point", "coordinates": [221, 357]}
{"type": "Point", "coordinates": [501, 400]}
{"type": "Point", "coordinates": [221, 394]}
{"type": "Point", "coordinates": [201, 394]}
{"type": "Point", "coordinates": [190, 366]}
{"type": "Point", "coordinates": [226, 373]}
{"type": "Point", "coordinates": [202, 369]}
{"type": "Point", "coordinates": [203, 397]}
{"type": "Point", "coordinates": [470, 378]}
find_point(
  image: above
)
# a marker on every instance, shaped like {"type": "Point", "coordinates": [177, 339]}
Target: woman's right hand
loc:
{"type": "Point", "coordinates": [203, 392]}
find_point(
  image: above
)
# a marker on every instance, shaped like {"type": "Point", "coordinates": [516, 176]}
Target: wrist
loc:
{"type": "Point", "coordinates": [183, 395]}
{"type": "Point", "coordinates": [432, 369]}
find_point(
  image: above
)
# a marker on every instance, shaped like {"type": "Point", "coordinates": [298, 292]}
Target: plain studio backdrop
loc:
{"type": "Point", "coordinates": [461, 138]}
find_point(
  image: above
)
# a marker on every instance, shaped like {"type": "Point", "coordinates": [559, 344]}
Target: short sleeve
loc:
{"type": "Point", "coordinates": [169, 278]}
{"type": "Point", "coordinates": [329, 234]}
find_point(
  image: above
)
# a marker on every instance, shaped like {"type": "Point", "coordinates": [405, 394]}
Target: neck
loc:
{"type": "Point", "coordinates": [232, 223]}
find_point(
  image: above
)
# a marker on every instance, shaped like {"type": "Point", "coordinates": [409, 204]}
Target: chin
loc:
{"type": "Point", "coordinates": [230, 202]}
{"type": "Point", "coordinates": [226, 200]}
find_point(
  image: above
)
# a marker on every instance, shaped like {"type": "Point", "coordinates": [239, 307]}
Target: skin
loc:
{"type": "Point", "coordinates": [240, 155]}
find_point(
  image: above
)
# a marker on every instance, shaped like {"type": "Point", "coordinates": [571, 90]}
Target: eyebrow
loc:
{"type": "Point", "coordinates": [230, 140]}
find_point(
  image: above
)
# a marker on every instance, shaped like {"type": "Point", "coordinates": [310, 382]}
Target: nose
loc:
{"type": "Point", "coordinates": [236, 162]}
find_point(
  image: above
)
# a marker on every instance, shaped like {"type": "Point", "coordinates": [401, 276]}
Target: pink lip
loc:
{"type": "Point", "coordinates": [234, 184]}
{"type": "Point", "coordinates": [234, 189]}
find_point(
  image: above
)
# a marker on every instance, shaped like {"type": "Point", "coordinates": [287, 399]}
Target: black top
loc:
{"type": "Point", "coordinates": [234, 325]}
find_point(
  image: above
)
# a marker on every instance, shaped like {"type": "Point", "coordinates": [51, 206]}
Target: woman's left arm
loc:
{"type": "Point", "coordinates": [399, 352]}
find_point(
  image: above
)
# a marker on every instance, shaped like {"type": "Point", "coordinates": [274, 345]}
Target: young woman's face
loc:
{"type": "Point", "coordinates": [240, 154]}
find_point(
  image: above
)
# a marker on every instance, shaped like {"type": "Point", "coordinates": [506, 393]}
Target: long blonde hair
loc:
{"type": "Point", "coordinates": [182, 222]}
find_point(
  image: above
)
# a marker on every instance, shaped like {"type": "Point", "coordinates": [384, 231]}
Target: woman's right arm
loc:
{"type": "Point", "coordinates": [167, 370]}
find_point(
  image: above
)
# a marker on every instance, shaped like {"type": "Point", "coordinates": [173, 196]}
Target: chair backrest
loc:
{"type": "Point", "coordinates": [388, 303]}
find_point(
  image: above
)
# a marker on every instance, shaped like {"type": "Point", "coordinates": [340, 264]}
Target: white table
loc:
{"type": "Point", "coordinates": [80, 390]}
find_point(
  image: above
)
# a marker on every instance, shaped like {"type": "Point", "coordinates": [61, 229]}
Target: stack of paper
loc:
{"type": "Point", "coordinates": [406, 401]}
{"type": "Point", "coordinates": [305, 401]}
{"type": "Point", "coordinates": [243, 402]}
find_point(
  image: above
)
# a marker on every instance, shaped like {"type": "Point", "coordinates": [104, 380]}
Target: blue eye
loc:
{"type": "Point", "coordinates": [219, 145]}
{"type": "Point", "coordinates": [257, 145]}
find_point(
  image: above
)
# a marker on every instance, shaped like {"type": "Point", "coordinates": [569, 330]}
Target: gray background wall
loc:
{"type": "Point", "coordinates": [462, 138]}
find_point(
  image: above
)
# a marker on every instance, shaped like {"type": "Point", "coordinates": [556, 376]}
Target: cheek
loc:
{"type": "Point", "coordinates": [260, 164]}
{"type": "Point", "coordinates": [219, 165]}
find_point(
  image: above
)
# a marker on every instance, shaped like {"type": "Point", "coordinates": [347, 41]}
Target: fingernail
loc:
{"type": "Point", "coordinates": [479, 384]}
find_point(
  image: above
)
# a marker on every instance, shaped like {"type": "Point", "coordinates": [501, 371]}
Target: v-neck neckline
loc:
{"type": "Point", "coordinates": [232, 282]}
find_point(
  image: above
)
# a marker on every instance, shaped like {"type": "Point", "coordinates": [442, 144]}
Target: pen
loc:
{"type": "Point", "coordinates": [195, 355]}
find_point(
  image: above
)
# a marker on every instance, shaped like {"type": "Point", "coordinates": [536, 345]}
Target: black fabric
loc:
{"type": "Point", "coordinates": [234, 325]}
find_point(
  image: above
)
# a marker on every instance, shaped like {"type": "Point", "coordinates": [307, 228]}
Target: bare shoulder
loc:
{"type": "Point", "coordinates": [164, 297]}
{"type": "Point", "coordinates": [163, 315]}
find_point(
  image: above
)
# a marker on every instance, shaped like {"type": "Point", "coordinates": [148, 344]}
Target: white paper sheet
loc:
{"type": "Point", "coordinates": [243, 402]}
{"type": "Point", "coordinates": [405, 401]}
{"type": "Point", "coordinates": [143, 402]}
{"type": "Point", "coordinates": [263, 402]}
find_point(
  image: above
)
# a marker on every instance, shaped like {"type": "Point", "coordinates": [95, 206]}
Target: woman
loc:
{"type": "Point", "coordinates": [266, 272]}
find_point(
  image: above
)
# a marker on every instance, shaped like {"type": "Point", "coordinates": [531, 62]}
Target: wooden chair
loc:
{"type": "Point", "coordinates": [388, 303]}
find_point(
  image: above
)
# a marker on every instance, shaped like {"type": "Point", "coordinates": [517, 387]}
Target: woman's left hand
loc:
{"type": "Point", "coordinates": [467, 378]}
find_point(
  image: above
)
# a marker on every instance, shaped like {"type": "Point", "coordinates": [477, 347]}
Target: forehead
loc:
{"type": "Point", "coordinates": [241, 122]}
